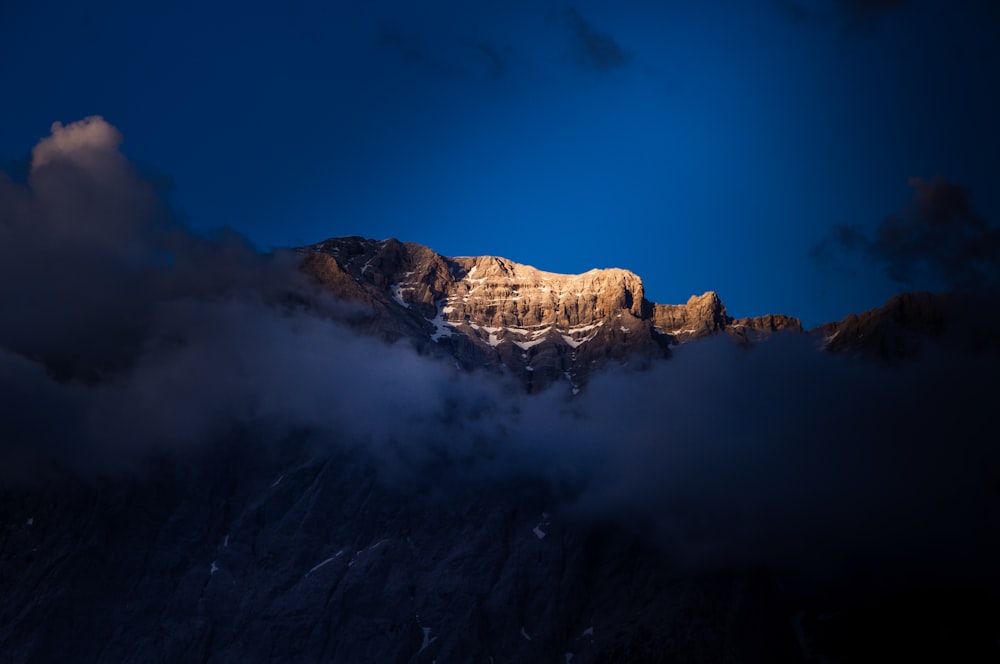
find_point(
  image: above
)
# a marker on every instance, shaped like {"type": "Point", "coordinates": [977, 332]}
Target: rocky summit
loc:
{"type": "Point", "coordinates": [489, 311]}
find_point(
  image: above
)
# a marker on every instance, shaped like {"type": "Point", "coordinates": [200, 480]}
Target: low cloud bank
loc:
{"type": "Point", "coordinates": [123, 334]}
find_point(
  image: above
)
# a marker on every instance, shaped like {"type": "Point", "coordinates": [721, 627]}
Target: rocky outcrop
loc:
{"type": "Point", "coordinates": [903, 326]}
{"type": "Point", "coordinates": [701, 316]}
{"type": "Point", "coordinates": [488, 311]}
{"type": "Point", "coordinates": [758, 328]}
{"type": "Point", "coordinates": [498, 292]}
{"type": "Point", "coordinates": [706, 315]}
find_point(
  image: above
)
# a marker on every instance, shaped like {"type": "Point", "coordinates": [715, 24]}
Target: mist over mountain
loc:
{"type": "Point", "coordinates": [361, 450]}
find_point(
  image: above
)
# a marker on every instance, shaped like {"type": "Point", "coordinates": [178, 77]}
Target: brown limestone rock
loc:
{"type": "Point", "coordinates": [702, 316]}
{"type": "Point", "coordinates": [486, 311]}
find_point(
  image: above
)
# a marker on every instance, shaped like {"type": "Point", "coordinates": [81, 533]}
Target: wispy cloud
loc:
{"type": "Point", "coordinates": [937, 240]}
{"type": "Point", "coordinates": [461, 57]}
{"type": "Point", "coordinates": [598, 50]}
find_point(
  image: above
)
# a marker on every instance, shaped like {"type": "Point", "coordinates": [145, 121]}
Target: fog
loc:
{"type": "Point", "coordinates": [124, 335]}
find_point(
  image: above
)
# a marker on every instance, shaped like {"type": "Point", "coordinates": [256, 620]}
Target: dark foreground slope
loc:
{"type": "Point", "coordinates": [294, 557]}
{"type": "Point", "coordinates": [377, 479]}
{"type": "Point", "coordinates": [302, 559]}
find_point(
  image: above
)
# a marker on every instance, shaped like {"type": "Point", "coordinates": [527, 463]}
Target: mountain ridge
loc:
{"type": "Point", "coordinates": [489, 311]}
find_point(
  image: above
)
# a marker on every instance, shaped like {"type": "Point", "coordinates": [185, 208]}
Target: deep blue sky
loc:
{"type": "Point", "coordinates": [703, 145]}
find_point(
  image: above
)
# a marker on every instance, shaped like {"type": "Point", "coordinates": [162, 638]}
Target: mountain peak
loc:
{"type": "Point", "coordinates": [489, 311]}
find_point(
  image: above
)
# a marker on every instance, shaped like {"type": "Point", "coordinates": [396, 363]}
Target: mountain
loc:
{"type": "Point", "coordinates": [487, 311]}
{"type": "Point", "coordinates": [670, 485]}
{"type": "Point", "coordinates": [908, 322]}
{"type": "Point", "coordinates": [547, 328]}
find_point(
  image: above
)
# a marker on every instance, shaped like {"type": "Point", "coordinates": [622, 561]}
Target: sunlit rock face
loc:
{"type": "Point", "coordinates": [488, 311]}
{"type": "Point", "coordinates": [706, 315]}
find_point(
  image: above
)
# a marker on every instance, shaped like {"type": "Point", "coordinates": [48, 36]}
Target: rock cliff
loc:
{"type": "Point", "coordinates": [490, 311]}
{"type": "Point", "coordinates": [706, 315]}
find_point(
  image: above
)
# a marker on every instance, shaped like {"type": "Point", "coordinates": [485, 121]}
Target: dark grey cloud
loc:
{"type": "Point", "coordinates": [394, 38]}
{"type": "Point", "coordinates": [122, 332]}
{"type": "Point", "coordinates": [471, 58]}
{"type": "Point", "coordinates": [865, 10]}
{"type": "Point", "coordinates": [598, 50]}
{"type": "Point", "coordinates": [795, 458]}
{"type": "Point", "coordinates": [857, 17]}
{"type": "Point", "coordinates": [794, 10]}
{"type": "Point", "coordinates": [937, 240]}
{"type": "Point", "coordinates": [491, 57]}
{"type": "Point", "coordinates": [90, 249]}
{"type": "Point", "coordinates": [782, 455]}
